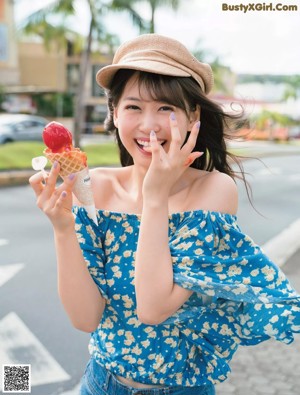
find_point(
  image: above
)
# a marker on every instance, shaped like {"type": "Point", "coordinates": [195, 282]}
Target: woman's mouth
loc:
{"type": "Point", "coordinates": [146, 143]}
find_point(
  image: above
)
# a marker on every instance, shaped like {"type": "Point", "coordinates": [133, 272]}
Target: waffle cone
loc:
{"type": "Point", "coordinates": [74, 162]}
{"type": "Point", "coordinates": [70, 162]}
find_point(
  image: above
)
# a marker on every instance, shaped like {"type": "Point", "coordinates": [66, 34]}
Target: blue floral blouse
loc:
{"type": "Point", "coordinates": [240, 298]}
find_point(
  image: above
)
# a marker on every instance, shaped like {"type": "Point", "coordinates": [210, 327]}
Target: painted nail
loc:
{"type": "Point", "coordinates": [55, 164]}
{"type": "Point", "coordinates": [152, 134]}
{"type": "Point", "coordinates": [71, 177]}
{"type": "Point", "coordinates": [63, 194]}
{"type": "Point", "coordinates": [173, 116]}
{"type": "Point", "coordinates": [198, 124]}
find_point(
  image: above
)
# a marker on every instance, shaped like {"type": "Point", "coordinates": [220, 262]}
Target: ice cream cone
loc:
{"type": "Point", "coordinates": [71, 161]}
{"type": "Point", "coordinates": [74, 162]}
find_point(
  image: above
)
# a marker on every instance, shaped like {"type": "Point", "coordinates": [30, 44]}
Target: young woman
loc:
{"type": "Point", "coordinates": [167, 283]}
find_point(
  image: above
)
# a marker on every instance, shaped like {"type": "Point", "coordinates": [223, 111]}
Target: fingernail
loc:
{"type": "Point", "coordinates": [198, 123]}
{"type": "Point", "coordinates": [152, 134]}
{"type": "Point", "coordinates": [55, 164]}
{"type": "Point", "coordinates": [63, 194]}
{"type": "Point", "coordinates": [71, 176]}
{"type": "Point", "coordinates": [172, 116]}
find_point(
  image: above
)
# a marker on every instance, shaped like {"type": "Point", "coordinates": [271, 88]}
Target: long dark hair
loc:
{"type": "Point", "coordinates": [184, 93]}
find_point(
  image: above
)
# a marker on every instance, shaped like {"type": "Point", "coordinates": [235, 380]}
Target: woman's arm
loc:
{"type": "Point", "coordinates": [157, 295]}
{"type": "Point", "coordinates": [77, 290]}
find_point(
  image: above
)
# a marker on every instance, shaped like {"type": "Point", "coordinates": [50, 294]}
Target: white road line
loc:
{"type": "Point", "coordinates": [294, 177]}
{"type": "Point", "coordinates": [281, 247]}
{"type": "Point", "coordinates": [20, 346]}
{"type": "Point", "coordinates": [9, 271]}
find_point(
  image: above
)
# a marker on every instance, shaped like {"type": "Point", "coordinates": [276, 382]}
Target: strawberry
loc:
{"type": "Point", "coordinates": [57, 137]}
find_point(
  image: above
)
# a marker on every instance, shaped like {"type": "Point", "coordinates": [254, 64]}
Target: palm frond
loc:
{"type": "Point", "coordinates": [128, 6]}
{"type": "Point", "coordinates": [57, 7]}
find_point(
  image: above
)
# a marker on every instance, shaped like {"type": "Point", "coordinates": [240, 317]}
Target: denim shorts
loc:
{"type": "Point", "coordinates": [99, 381]}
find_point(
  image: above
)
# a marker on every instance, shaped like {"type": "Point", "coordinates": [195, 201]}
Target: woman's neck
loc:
{"type": "Point", "coordinates": [135, 180]}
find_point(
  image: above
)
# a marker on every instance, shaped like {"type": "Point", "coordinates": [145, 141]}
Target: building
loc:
{"type": "Point", "coordinates": [9, 68]}
{"type": "Point", "coordinates": [28, 69]}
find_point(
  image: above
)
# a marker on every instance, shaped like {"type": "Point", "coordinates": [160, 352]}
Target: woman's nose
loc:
{"type": "Point", "coordinates": [149, 122]}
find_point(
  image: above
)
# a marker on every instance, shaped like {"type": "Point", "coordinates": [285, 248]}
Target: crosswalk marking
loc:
{"type": "Point", "coordinates": [20, 346]}
{"type": "Point", "coordinates": [9, 271]}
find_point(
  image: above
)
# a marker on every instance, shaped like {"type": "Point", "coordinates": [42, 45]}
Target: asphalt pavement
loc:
{"type": "Point", "coordinates": [268, 368]}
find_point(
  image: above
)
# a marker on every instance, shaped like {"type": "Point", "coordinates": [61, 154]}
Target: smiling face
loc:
{"type": "Point", "coordinates": [140, 110]}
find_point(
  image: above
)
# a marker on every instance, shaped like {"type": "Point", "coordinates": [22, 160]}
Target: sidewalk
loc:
{"type": "Point", "coordinates": [15, 177]}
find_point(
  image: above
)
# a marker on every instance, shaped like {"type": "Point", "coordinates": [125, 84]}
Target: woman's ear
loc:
{"type": "Point", "coordinates": [195, 115]}
{"type": "Point", "coordinates": [115, 118]}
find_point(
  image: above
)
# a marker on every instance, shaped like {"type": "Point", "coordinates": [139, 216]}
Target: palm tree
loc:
{"type": "Point", "coordinates": [219, 69]}
{"type": "Point", "coordinates": [293, 88]}
{"type": "Point", "coordinates": [39, 23]}
{"type": "Point", "coordinates": [154, 4]}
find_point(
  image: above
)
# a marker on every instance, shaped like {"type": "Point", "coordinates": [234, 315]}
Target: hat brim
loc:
{"type": "Point", "coordinates": [105, 75]}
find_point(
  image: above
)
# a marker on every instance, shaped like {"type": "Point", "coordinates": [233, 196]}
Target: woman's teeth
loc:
{"type": "Point", "coordinates": [146, 143]}
{"type": "Point", "coordinates": [143, 143]}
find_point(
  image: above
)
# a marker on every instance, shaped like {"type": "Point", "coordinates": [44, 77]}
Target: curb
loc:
{"type": "Point", "coordinates": [15, 177]}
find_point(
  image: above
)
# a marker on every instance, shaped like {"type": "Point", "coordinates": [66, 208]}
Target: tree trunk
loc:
{"type": "Point", "coordinates": [79, 111]}
{"type": "Point", "coordinates": [152, 23]}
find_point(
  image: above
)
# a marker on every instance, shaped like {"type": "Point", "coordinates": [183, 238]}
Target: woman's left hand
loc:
{"type": "Point", "coordinates": [167, 167]}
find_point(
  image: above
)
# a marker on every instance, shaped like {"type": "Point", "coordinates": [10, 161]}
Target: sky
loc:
{"type": "Point", "coordinates": [255, 42]}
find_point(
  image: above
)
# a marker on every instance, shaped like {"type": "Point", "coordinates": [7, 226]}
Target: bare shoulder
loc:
{"type": "Point", "coordinates": [217, 192]}
{"type": "Point", "coordinates": [104, 182]}
{"type": "Point", "coordinates": [101, 175]}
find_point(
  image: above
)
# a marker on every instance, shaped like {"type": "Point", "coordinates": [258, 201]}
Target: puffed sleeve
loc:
{"type": "Point", "coordinates": [239, 289]}
{"type": "Point", "coordinates": [89, 238]}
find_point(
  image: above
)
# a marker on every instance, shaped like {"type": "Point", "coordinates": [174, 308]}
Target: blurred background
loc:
{"type": "Point", "coordinates": [50, 52]}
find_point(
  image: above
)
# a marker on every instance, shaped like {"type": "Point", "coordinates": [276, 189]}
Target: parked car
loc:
{"type": "Point", "coordinates": [21, 127]}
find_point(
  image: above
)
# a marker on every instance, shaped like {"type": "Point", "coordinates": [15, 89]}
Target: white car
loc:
{"type": "Point", "coordinates": [21, 127]}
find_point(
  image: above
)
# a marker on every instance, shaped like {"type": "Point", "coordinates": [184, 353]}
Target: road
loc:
{"type": "Point", "coordinates": [33, 326]}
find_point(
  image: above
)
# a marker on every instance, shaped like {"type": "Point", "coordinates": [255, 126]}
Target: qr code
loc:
{"type": "Point", "coordinates": [16, 378]}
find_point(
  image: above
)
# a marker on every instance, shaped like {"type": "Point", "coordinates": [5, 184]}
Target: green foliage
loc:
{"type": "Point", "coordinates": [2, 98]}
{"type": "Point", "coordinates": [266, 119]}
{"type": "Point", "coordinates": [264, 78]}
{"type": "Point", "coordinates": [54, 104]}
{"type": "Point", "coordinates": [218, 68]}
{"type": "Point", "coordinates": [19, 155]}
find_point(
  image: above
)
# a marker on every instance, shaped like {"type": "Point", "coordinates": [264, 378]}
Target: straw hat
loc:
{"type": "Point", "coordinates": [159, 55]}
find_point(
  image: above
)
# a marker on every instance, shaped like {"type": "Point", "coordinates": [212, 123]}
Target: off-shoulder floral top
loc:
{"type": "Point", "coordinates": [240, 298]}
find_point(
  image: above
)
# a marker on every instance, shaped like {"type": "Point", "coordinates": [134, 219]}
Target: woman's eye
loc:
{"type": "Point", "coordinates": [132, 107]}
{"type": "Point", "coordinates": [166, 108]}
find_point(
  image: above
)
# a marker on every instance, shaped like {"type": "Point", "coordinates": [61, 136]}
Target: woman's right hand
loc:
{"type": "Point", "coordinates": [55, 200]}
